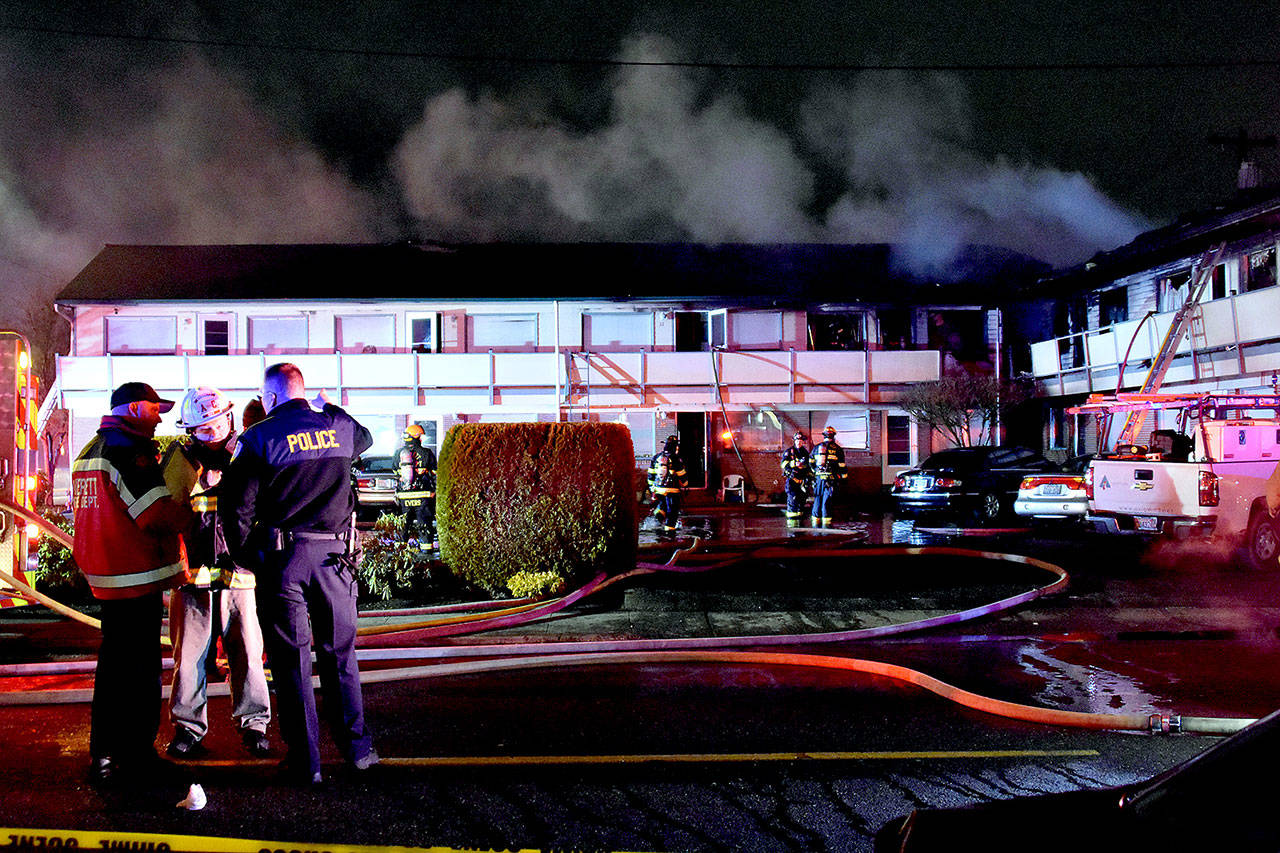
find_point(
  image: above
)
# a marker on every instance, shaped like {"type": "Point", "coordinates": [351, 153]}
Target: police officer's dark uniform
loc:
{"type": "Point", "coordinates": [799, 478]}
{"type": "Point", "coordinates": [287, 508]}
{"type": "Point", "coordinates": [416, 488]}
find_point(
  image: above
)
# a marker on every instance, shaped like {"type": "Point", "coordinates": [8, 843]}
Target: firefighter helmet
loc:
{"type": "Point", "coordinates": [202, 405]}
{"type": "Point", "coordinates": [413, 431]}
{"type": "Point", "coordinates": [829, 432]}
{"type": "Point", "coordinates": [799, 436]}
{"type": "Point", "coordinates": [672, 441]}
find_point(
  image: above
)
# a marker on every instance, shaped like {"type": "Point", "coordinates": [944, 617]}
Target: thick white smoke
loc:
{"type": "Point", "coordinates": [667, 167]}
{"type": "Point", "coordinates": [181, 155]}
{"type": "Point", "coordinates": [679, 162]}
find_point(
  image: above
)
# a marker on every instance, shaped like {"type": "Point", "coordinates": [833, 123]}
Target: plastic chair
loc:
{"type": "Point", "coordinates": [733, 484]}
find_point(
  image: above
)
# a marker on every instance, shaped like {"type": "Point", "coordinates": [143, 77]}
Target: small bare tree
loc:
{"type": "Point", "coordinates": [963, 407]}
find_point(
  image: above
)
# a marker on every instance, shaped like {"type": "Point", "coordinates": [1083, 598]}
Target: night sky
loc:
{"type": "Point", "coordinates": [216, 122]}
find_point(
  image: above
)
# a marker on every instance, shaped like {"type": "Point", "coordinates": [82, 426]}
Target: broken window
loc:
{"type": "Point", "coordinates": [1113, 306]}
{"type": "Point", "coordinates": [836, 331]}
{"type": "Point", "coordinates": [1262, 269]}
{"type": "Point", "coordinates": [1174, 291]}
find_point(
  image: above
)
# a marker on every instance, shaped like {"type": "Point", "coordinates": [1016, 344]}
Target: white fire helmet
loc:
{"type": "Point", "coordinates": [202, 405]}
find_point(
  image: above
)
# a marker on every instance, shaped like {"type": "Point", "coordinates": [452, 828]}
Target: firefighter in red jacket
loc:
{"type": "Point", "coordinates": [667, 480]}
{"type": "Point", "coordinates": [416, 489]}
{"type": "Point", "coordinates": [129, 546]}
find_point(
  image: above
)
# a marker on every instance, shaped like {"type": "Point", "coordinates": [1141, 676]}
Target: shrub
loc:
{"type": "Point", "coordinates": [535, 584]}
{"type": "Point", "coordinates": [56, 573]}
{"type": "Point", "coordinates": [390, 568]}
{"type": "Point", "coordinates": [535, 498]}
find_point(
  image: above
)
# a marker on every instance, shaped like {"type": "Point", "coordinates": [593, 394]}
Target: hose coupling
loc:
{"type": "Point", "coordinates": [1164, 723]}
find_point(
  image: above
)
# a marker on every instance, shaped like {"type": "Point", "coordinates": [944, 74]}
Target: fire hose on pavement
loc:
{"type": "Point", "coordinates": [686, 650]}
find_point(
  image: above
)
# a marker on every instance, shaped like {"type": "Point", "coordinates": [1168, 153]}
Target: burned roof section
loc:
{"type": "Point", "coordinates": [778, 275]}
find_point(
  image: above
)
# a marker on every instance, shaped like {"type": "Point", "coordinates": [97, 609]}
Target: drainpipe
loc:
{"type": "Point", "coordinates": [555, 305]}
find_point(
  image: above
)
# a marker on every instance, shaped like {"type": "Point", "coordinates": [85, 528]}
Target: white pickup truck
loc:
{"type": "Point", "coordinates": [1222, 480]}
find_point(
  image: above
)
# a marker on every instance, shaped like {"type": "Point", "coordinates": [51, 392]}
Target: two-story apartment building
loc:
{"type": "Point", "coordinates": [1102, 322]}
{"type": "Point", "coordinates": [731, 347]}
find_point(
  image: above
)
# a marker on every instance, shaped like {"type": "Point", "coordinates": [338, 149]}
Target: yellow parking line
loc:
{"type": "Point", "coordinates": [717, 757]}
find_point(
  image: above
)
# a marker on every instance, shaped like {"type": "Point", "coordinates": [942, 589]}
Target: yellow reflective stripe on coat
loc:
{"type": "Point", "coordinates": [404, 495]}
{"type": "Point", "coordinates": [206, 576]}
{"type": "Point", "coordinates": [203, 502]}
{"type": "Point", "coordinates": [135, 578]}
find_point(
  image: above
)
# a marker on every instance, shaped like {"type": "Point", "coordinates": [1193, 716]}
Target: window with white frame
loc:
{"type": "Point", "coordinates": [853, 429]}
{"type": "Point", "coordinates": [141, 335]}
{"type": "Point", "coordinates": [511, 332]}
{"type": "Point", "coordinates": [617, 330]}
{"type": "Point", "coordinates": [277, 335]}
{"type": "Point", "coordinates": [757, 330]}
{"type": "Point", "coordinates": [365, 333]}
{"type": "Point", "coordinates": [420, 331]}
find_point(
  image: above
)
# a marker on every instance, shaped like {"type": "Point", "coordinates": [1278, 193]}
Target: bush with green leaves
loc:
{"type": "Point", "coordinates": [56, 573]}
{"type": "Point", "coordinates": [552, 500]}
{"type": "Point", "coordinates": [391, 568]}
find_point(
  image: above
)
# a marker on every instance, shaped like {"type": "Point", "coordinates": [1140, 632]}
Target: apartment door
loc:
{"type": "Point", "coordinates": [691, 427]}
{"type": "Point", "coordinates": [900, 449]}
{"type": "Point", "coordinates": [691, 331]}
{"type": "Point", "coordinates": [217, 334]}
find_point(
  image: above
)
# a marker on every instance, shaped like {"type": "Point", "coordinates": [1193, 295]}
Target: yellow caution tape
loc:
{"type": "Point", "coordinates": [54, 838]}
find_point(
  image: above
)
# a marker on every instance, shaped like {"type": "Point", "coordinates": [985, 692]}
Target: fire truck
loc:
{"type": "Point", "coordinates": [20, 479]}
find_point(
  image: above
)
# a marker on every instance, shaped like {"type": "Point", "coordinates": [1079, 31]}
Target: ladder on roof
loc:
{"type": "Point", "coordinates": [1183, 321]}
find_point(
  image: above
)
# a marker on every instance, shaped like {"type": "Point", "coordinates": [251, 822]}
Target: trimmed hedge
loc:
{"type": "Point", "coordinates": [530, 499]}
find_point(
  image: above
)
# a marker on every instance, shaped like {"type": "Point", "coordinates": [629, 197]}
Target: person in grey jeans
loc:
{"type": "Point", "coordinates": [220, 601]}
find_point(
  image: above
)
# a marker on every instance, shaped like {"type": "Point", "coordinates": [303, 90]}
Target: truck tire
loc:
{"type": "Point", "coordinates": [1262, 542]}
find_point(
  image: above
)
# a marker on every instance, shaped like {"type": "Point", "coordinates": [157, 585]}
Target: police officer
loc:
{"type": "Point", "coordinates": [287, 508]}
{"type": "Point", "coordinates": [128, 545]}
{"type": "Point", "coordinates": [219, 602]}
{"type": "Point", "coordinates": [799, 478]}
{"type": "Point", "coordinates": [416, 489]}
{"type": "Point", "coordinates": [667, 480]}
{"type": "Point", "coordinates": [827, 461]}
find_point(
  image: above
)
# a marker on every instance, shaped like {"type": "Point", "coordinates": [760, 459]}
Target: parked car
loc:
{"type": "Point", "coordinates": [1055, 495]}
{"type": "Point", "coordinates": [981, 482]}
{"type": "Point", "coordinates": [376, 478]}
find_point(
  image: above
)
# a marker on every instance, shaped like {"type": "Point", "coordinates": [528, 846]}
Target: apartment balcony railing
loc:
{"type": "Point", "coordinates": [525, 382]}
{"type": "Point", "coordinates": [1230, 342]}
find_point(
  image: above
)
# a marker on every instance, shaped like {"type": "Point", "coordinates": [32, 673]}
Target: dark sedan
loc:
{"type": "Point", "coordinates": [981, 482]}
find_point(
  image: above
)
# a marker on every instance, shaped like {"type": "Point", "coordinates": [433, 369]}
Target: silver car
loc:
{"type": "Point", "coordinates": [376, 478]}
{"type": "Point", "coordinates": [1057, 495]}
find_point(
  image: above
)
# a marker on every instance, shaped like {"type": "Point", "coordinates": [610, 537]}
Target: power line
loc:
{"type": "Point", "coordinates": [513, 59]}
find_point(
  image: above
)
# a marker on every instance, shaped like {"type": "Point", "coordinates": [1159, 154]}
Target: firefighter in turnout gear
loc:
{"type": "Point", "coordinates": [287, 509]}
{"type": "Point", "coordinates": [827, 461]}
{"type": "Point", "coordinates": [416, 490]}
{"type": "Point", "coordinates": [128, 544]}
{"type": "Point", "coordinates": [219, 602]}
{"type": "Point", "coordinates": [799, 478]}
{"type": "Point", "coordinates": [667, 480]}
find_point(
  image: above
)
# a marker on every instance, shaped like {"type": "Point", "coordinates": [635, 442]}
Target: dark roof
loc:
{"type": "Point", "coordinates": [1248, 214]}
{"type": "Point", "coordinates": [737, 274]}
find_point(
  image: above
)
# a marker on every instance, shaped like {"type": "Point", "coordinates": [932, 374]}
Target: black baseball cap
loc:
{"type": "Point", "coordinates": [138, 392]}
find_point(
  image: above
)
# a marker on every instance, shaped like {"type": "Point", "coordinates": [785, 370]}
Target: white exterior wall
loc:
{"type": "Point", "coordinates": [453, 384]}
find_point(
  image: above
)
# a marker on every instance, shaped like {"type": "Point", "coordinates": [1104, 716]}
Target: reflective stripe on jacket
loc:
{"type": "Point", "coordinates": [127, 541]}
{"type": "Point", "coordinates": [828, 461]}
{"type": "Point", "coordinates": [666, 474]}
